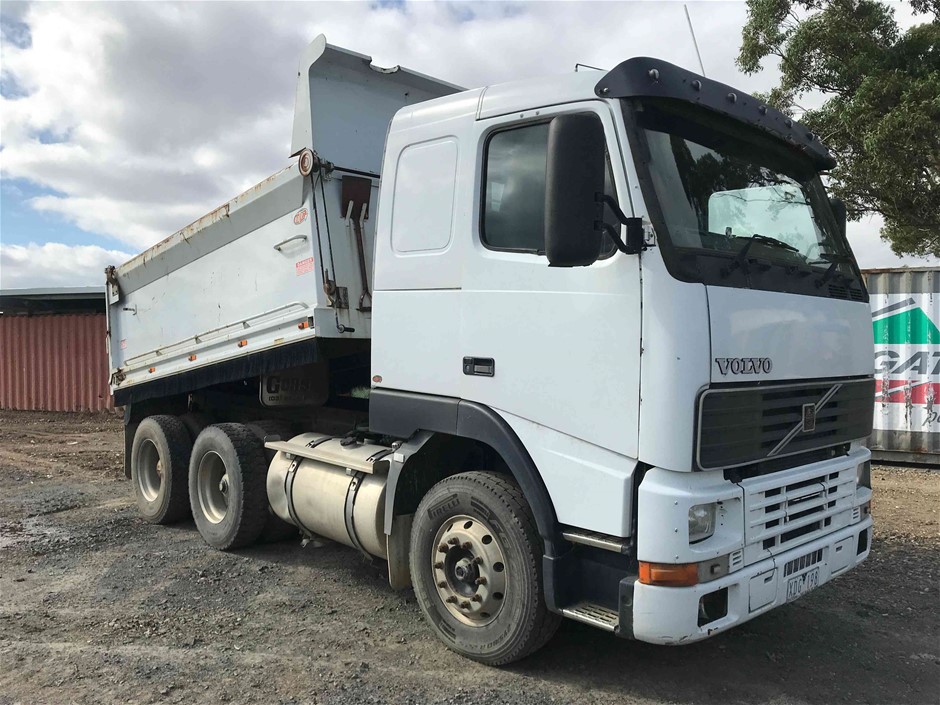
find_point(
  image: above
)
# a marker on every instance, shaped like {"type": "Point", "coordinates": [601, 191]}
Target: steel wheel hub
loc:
{"type": "Point", "coordinates": [469, 570]}
{"type": "Point", "coordinates": [212, 487]}
{"type": "Point", "coordinates": [149, 471]}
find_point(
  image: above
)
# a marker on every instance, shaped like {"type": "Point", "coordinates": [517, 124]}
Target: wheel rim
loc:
{"type": "Point", "coordinates": [149, 471]}
{"type": "Point", "coordinates": [212, 485]}
{"type": "Point", "coordinates": [469, 570]}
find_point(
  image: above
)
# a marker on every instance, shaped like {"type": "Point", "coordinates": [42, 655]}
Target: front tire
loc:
{"type": "Point", "coordinates": [159, 462]}
{"type": "Point", "coordinates": [227, 486]}
{"type": "Point", "coordinates": [475, 563]}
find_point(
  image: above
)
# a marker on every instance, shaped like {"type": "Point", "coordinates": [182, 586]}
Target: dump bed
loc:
{"type": "Point", "coordinates": [250, 285]}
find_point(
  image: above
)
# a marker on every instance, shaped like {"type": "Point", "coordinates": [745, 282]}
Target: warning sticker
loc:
{"type": "Point", "coordinates": [300, 216]}
{"type": "Point", "coordinates": [124, 344]}
{"type": "Point", "coordinates": [304, 266]}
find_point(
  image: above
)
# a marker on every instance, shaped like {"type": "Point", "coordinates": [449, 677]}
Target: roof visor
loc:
{"type": "Point", "coordinates": [643, 77]}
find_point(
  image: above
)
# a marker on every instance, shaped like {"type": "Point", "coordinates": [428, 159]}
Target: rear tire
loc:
{"type": "Point", "coordinates": [275, 529]}
{"type": "Point", "coordinates": [476, 568]}
{"type": "Point", "coordinates": [227, 486]}
{"type": "Point", "coordinates": [159, 467]}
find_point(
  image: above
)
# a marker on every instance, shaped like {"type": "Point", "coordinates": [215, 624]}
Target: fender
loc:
{"type": "Point", "coordinates": [406, 415]}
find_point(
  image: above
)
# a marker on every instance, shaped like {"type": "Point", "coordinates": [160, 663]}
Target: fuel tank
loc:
{"type": "Point", "coordinates": [332, 488]}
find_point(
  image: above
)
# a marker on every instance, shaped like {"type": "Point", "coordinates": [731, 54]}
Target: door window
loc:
{"type": "Point", "coordinates": [514, 191]}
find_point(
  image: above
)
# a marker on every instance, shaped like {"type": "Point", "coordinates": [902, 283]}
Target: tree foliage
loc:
{"type": "Point", "coordinates": [881, 115]}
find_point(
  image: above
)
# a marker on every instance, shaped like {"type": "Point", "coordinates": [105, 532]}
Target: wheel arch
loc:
{"type": "Point", "coordinates": [436, 426]}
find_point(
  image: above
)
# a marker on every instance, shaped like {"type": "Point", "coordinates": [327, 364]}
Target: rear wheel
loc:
{"type": "Point", "coordinates": [476, 568]}
{"type": "Point", "coordinates": [159, 462]}
{"type": "Point", "coordinates": [275, 529]}
{"type": "Point", "coordinates": [227, 486]}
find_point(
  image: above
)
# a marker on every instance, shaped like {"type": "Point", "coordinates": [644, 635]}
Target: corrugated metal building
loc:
{"type": "Point", "coordinates": [905, 310]}
{"type": "Point", "coordinates": [53, 352]}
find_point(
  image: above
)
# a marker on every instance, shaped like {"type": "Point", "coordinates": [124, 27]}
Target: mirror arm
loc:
{"type": "Point", "coordinates": [612, 233]}
{"type": "Point", "coordinates": [608, 200]}
{"type": "Point", "coordinates": [634, 244]}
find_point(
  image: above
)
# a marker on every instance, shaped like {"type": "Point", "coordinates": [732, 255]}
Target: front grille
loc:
{"type": "Point", "coordinates": [744, 425]}
{"type": "Point", "coordinates": [783, 512]}
{"type": "Point", "coordinates": [803, 562]}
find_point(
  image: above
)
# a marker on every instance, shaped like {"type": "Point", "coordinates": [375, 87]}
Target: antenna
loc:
{"type": "Point", "coordinates": [688, 17]}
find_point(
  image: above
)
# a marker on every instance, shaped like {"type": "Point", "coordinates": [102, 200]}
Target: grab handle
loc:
{"type": "Point", "coordinates": [279, 245]}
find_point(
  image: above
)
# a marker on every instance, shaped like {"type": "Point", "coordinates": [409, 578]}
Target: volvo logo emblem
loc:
{"type": "Point", "coordinates": [807, 422]}
{"type": "Point", "coordinates": [744, 365]}
{"type": "Point", "coordinates": [809, 418]}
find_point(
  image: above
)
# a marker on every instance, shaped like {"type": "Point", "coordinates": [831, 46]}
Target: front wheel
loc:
{"type": "Point", "coordinates": [476, 568]}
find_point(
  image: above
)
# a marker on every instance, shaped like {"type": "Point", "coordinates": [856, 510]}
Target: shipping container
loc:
{"type": "Point", "coordinates": [905, 310]}
{"type": "Point", "coordinates": [53, 351]}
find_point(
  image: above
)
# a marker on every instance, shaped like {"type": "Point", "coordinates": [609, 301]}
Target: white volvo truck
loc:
{"type": "Point", "coordinates": [589, 346]}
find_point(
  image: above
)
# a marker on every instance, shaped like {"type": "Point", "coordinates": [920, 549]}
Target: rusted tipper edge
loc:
{"type": "Point", "coordinates": [204, 222]}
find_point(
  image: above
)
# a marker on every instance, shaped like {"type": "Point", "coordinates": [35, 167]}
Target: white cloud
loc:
{"type": "Point", "coordinates": [872, 252]}
{"type": "Point", "coordinates": [145, 116]}
{"type": "Point", "coordinates": [55, 264]}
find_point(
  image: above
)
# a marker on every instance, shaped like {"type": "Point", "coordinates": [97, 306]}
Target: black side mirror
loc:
{"type": "Point", "coordinates": [574, 175]}
{"type": "Point", "coordinates": [839, 211]}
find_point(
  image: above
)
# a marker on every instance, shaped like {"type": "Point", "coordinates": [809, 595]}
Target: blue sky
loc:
{"type": "Point", "coordinates": [122, 122]}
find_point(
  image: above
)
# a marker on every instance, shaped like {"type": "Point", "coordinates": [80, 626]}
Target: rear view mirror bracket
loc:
{"type": "Point", "coordinates": [636, 242]}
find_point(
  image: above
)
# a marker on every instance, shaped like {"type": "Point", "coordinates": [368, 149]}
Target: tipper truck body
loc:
{"type": "Point", "coordinates": [591, 346]}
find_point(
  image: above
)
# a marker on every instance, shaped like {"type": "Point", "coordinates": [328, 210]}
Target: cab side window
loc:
{"type": "Point", "coordinates": [514, 191]}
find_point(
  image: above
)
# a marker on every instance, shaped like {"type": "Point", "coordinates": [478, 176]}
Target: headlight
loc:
{"type": "Point", "coordinates": [862, 476]}
{"type": "Point", "coordinates": [702, 521]}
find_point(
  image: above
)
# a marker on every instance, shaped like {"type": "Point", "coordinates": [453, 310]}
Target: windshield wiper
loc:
{"type": "Point", "coordinates": [832, 270]}
{"type": "Point", "coordinates": [740, 262]}
{"type": "Point", "coordinates": [772, 241]}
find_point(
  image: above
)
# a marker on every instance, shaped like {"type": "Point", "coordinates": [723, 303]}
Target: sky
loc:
{"type": "Point", "coordinates": [122, 122]}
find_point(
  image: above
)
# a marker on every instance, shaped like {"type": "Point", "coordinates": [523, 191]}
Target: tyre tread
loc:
{"type": "Point", "coordinates": [180, 446]}
{"type": "Point", "coordinates": [254, 510]}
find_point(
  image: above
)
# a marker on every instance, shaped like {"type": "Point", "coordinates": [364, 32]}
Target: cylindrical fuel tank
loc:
{"type": "Point", "coordinates": [336, 502]}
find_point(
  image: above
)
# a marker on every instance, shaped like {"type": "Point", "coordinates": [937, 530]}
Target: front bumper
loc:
{"type": "Point", "coordinates": [671, 615]}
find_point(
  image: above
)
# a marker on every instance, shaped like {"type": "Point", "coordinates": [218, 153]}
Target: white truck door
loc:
{"type": "Point", "coordinates": [563, 343]}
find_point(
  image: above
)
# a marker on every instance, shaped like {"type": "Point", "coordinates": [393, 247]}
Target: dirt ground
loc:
{"type": "Point", "coordinates": [97, 606]}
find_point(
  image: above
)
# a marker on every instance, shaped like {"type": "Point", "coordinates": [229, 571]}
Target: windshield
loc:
{"type": "Point", "coordinates": [737, 208]}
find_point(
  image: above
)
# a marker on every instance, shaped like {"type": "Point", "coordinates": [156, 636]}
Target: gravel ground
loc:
{"type": "Point", "coordinates": [97, 606]}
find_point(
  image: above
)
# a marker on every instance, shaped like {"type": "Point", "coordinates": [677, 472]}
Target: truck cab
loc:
{"type": "Point", "coordinates": [618, 346]}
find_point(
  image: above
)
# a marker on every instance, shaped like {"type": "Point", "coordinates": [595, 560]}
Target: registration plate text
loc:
{"type": "Point", "coordinates": [802, 584]}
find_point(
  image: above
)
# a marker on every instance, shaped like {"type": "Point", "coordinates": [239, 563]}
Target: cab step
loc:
{"type": "Point", "coordinates": [593, 614]}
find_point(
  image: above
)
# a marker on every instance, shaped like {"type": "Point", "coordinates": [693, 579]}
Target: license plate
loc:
{"type": "Point", "coordinates": [802, 584]}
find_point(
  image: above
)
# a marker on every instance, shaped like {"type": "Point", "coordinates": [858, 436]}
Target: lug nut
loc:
{"type": "Point", "coordinates": [442, 584]}
{"type": "Point", "coordinates": [442, 548]}
{"type": "Point", "coordinates": [480, 581]}
{"type": "Point", "coordinates": [439, 565]}
{"type": "Point", "coordinates": [467, 546]}
{"type": "Point", "coordinates": [452, 600]}
{"type": "Point", "coordinates": [465, 604]}
{"type": "Point", "coordinates": [476, 598]}
{"type": "Point", "coordinates": [477, 561]}
{"type": "Point", "coordinates": [454, 541]}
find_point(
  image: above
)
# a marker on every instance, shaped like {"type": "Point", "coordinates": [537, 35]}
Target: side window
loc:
{"type": "Point", "coordinates": [514, 191]}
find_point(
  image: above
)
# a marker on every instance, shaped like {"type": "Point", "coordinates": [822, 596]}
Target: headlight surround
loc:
{"type": "Point", "coordinates": [863, 474]}
{"type": "Point", "coordinates": [702, 521]}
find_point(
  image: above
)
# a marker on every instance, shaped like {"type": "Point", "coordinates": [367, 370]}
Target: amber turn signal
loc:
{"type": "Point", "coordinates": [669, 574]}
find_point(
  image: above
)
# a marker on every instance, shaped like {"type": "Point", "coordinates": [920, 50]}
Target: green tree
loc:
{"type": "Point", "coordinates": [881, 116]}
